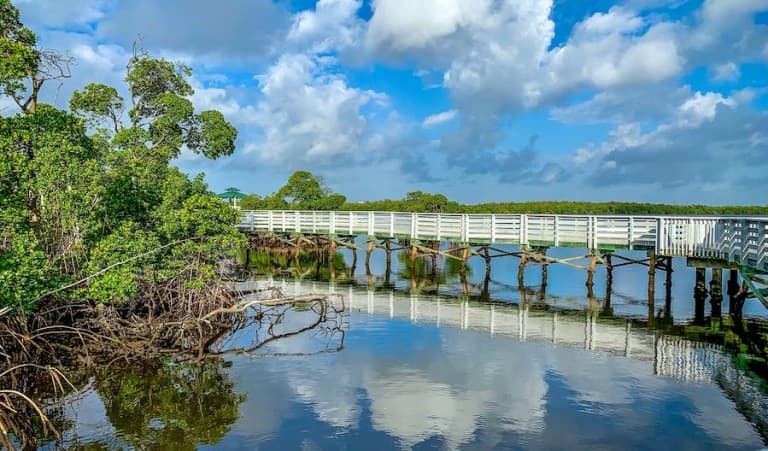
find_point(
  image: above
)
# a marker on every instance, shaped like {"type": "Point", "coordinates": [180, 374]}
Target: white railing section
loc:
{"type": "Point", "coordinates": [742, 240]}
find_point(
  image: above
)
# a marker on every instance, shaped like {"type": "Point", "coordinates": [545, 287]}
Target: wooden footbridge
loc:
{"type": "Point", "coordinates": [736, 243]}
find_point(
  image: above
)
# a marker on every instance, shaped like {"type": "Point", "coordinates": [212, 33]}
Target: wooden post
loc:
{"type": "Point", "coordinates": [544, 275]}
{"type": "Point", "coordinates": [700, 289]}
{"type": "Point", "coordinates": [487, 257]}
{"type": "Point", "coordinates": [354, 262]}
{"type": "Point", "coordinates": [716, 292]}
{"type": "Point", "coordinates": [699, 295]}
{"type": "Point", "coordinates": [651, 273]}
{"type": "Point", "coordinates": [464, 259]}
{"type": "Point", "coordinates": [591, 271]}
{"type": "Point", "coordinates": [388, 268]}
{"type": "Point", "coordinates": [368, 252]}
{"type": "Point", "coordinates": [607, 308]}
{"type": "Point", "coordinates": [521, 268]}
{"type": "Point", "coordinates": [485, 295]}
{"type": "Point", "coordinates": [651, 288]}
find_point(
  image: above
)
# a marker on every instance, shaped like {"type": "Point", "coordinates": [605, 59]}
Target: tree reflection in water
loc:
{"type": "Point", "coordinates": [166, 404]}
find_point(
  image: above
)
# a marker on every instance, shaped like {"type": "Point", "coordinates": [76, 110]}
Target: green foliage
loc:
{"type": "Point", "coordinates": [553, 207]}
{"type": "Point", "coordinates": [18, 54]}
{"type": "Point", "coordinates": [25, 272]}
{"type": "Point", "coordinates": [81, 191]}
{"type": "Point", "coordinates": [98, 103]}
{"type": "Point", "coordinates": [303, 191]}
{"type": "Point", "coordinates": [121, 283]}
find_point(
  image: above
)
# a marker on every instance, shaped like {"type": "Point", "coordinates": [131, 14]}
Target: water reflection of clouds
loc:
{"type": "Point", "coordinates": [474, 388]}
{"type": "Point", "coordinates": [417, 384]}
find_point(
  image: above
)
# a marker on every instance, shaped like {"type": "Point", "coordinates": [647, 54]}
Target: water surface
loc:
{"type": "Point", "coordinates": [426, 372]}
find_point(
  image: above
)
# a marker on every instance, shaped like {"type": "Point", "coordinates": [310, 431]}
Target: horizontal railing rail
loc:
{"type": "Point", "coordinates": [743, 240]}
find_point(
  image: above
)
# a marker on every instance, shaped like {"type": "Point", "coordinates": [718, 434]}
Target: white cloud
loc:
{"type": "Point", "coordinates": [332, 25]}
{"type": "Point", "coordinates": [401, 25]}
{"type": "Point", "coordinates": [701, 108]}
{"type": "Point", "coordinates": [612, 59]}
{"type": "Point", "coordinates": [439, 118]}
{"type": "Point", "coordinates": [616, 21]}
{"type": "Point", "coordinates": [310, 114]}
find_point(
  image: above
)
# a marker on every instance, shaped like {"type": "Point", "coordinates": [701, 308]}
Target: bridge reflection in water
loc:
{"type": "Point", "coordinates": [669, 355]}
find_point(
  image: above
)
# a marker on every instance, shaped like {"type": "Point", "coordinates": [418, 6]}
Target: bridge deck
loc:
{"type": "Point", "coordinates": [742, 240]}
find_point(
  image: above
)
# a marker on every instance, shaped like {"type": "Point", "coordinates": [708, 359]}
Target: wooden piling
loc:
{"type": "Point", "coordinates": [368, 252]}
{"type": "Point", "coordinates": [699, 295]}
{"type": "Point", "coordinates": [487, 257]}
{"type": "Point", "coordinates": [521, 268]}
{"type": "Point", "coordinates": [591, 271]}
{"type": "Point", "coordinates": [354, 262]}
{"type": "Point", "coordinates": [651, 274]}
{"type": "Point", "coordinates": [716, 292]}
{"type": "Point", "coordinates": [464, 260]}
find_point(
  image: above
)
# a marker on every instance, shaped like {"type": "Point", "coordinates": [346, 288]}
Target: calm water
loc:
{"type": "Point", "coordinates": [447, 372]}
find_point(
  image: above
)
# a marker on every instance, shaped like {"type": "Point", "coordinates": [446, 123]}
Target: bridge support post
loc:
{"type": "Point", "coordinates": [736, 295]}
{"type": "Point", "coordinates": [354, 261]}
{"type": "Point", "coordinates": [591, 271]}
{"type": "Point", "coordinates": [464, 259]}
{"type": "Point", "coordinates": [521, 268]}
{"type": "Point", "coordinates": [388, 252]}
{"type": "Point", "coordinates": [716, 292]}
{"type": "Point", "coordinates": [700, 295]}
{"type": "Point", "coordinates": [544, 272]}
{"type": "Point", "coordinates": [608, 262]}
{"type": "Point", "coordinates": [651, 274]}
{"type": "Point", "coordinates": [485, 294]}
{"type": "Point", "coordinates": [487, 257]}
{"type": "Point", "coordinates": [368, 252]}
{"type": "Point", "coordinates": [651, 288]}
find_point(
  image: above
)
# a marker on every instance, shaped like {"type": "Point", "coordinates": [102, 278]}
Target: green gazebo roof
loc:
{"type": "Point", "coordinates": [231, 193]}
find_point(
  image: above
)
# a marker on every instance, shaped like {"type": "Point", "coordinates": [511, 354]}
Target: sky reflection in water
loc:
{"type": "Point", "coordinates": [403, 382]}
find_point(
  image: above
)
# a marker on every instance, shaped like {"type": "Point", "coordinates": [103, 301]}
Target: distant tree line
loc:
{"type": "Point", "coordinates": [305, 191]}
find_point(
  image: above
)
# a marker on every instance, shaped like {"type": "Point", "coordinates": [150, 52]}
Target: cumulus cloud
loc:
{"type": "Point", "coordinates": [332, 25]}
{"type": "Point", "coordinates": [712, 142]}
{"type": "Point", "coordinates": [309, 114]}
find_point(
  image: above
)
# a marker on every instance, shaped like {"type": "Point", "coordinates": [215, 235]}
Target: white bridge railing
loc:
{"type": "Point", "coordinates": [738, 239]}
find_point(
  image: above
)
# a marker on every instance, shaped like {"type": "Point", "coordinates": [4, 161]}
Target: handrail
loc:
{"type": "Point", "coordinates": [738, 239]}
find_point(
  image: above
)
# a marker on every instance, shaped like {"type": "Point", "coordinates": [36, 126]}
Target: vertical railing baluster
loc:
{"type": "Point", "coordinates": [371, 223]}
{"type": "Point", "coordinates": [493, 229]}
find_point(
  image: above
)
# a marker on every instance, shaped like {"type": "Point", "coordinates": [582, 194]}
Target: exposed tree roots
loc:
{"type": "Point", "coordinates": [187, 317]}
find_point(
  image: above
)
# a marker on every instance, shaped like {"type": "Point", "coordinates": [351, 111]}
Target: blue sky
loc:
{"type": "Point", "coordinates": [483, 100]}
